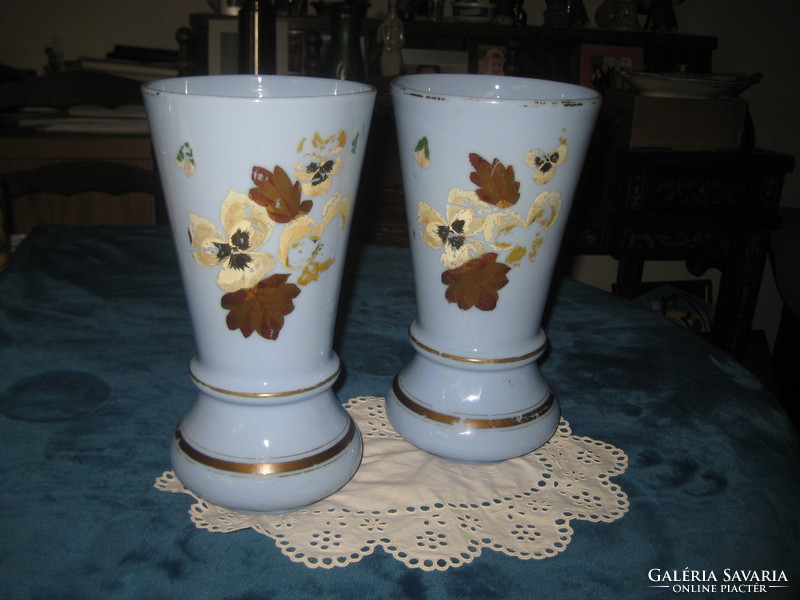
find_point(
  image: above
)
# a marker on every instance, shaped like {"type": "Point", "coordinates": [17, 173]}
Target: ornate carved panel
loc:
{"type": "Point", "coordinates": [701, 249]}
{"type": "Point", "coordinates": [700, 192]}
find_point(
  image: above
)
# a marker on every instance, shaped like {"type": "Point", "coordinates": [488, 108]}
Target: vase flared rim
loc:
{"type": "Point", "coordinates": [256, 87]}
{"type": "Point", "coordinates": [492, 89]}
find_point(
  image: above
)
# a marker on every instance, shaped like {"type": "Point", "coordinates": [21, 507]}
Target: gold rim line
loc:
{"type": "Point", "coordinates": [467, 359]}
{"type": "Point", "coordinates": [300, 464]}
{"type": "Point", "coordinates": [474, 423]}
{"type": "Point", "coordinates": [219, 390]}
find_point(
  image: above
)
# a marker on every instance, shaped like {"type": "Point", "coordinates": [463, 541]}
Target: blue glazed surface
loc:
{"type": "Point", "coordinates": [490, 165]}
{"type": "Point", "coordinates": [262, 173]}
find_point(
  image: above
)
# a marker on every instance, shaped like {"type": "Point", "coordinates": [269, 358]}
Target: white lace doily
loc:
{"type": "Point", "coordinates": [433, 514]}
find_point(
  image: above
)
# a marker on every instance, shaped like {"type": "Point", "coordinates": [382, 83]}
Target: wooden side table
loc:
{"type": "Point", "coordinates": [711, 209]}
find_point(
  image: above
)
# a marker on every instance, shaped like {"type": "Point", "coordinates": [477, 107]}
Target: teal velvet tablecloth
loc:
{"type": "Point", "coordinates": [94, 346]}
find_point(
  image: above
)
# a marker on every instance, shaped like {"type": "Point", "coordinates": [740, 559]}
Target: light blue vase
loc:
{"type": "Point", "coordinates": [490, 165]}
{"type": "Point", "coordinates": [260, 175]}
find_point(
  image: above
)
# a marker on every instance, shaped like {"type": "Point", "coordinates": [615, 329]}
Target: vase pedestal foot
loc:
{"type": "Point", "coordinates": [272, 458]}
{"type": "Point", "coordinates": [472, 413]}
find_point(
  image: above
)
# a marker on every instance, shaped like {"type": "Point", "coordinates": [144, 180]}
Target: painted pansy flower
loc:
{"type": "Point", "coordinates": [490, 222]}
{"type": "Point", "coordinates": [325, 161]}
{"type": "Point", "coordinates": [455, 232]}
{"type": "Point", "coordinates": [545, 163]}
{"type": "Point", "coordinates": [310, 246]}
{"type": "Point", "coordinates": [247, 228]}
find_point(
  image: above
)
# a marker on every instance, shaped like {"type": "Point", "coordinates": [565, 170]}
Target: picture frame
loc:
{"type": "Point", "coordinates": [490, 59]}
{"type": "Point", "coordinates": [598, 63]}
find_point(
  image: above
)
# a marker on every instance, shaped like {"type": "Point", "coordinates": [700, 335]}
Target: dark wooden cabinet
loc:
{"type": "Point", "coordinates": [543, 52]}
{"type": "Point", "coordinates": [554, 52]}
{"type": "Point", "coordinates": [710, 209]}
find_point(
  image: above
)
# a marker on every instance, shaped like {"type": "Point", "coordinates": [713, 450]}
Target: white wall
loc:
{"type": "Point", "coordinates": [753, 36]}
{"type": "Point", "coordinates": [87, 27]}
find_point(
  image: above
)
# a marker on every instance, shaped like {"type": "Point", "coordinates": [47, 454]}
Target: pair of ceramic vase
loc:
{"type": "Point", "coordinates": [260, 175]}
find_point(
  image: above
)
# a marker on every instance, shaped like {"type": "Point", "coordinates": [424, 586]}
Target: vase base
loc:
{"type": "Point", "coordinates": [228, 466]}
{"type": "Point", "coordinates": [472, 416]}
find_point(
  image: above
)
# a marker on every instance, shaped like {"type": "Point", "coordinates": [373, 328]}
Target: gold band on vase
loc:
{"type": "Point", "coordinates": [472, 360]}
{"type": "Point", "coordinates": [474, 423]}
{"type": "Point", "coordinates": [219, 390]}
{"type": "Point", "coordinates": [275, 468]}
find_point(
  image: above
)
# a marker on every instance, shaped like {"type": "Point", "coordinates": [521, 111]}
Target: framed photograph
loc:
{"type": "Point", "coordinates": [598, 63]}
{"type": "Point", "coordinates": [490, 60]}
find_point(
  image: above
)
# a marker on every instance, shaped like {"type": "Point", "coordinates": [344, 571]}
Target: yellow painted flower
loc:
{"type": "Point", "coordinates": [545, 209]}
{"type": "Point", "coordinates": [455, 232]}
{"type": "Point", "coordinates": [545, 163]}
{"type": "Point", "coordinates": [247, 227]}
{"type": "Point", "coordinates": [310, 247]}
{"type": "Point", "coordinates": [325, 161]}
{"type": "Point", "coordinates": [500, 223]}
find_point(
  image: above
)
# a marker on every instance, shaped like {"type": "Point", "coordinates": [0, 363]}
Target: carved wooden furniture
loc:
{"type": "Point", "coordinates": [24, 148]}
{"type": "Point", "coordinates": [138, 205]}
{"type": "Point", "coordinates": [784, 250]}
{"type": "Point", "coordinates": [65, 180]}
{"type": "Point", "coordinates": [712, 209]}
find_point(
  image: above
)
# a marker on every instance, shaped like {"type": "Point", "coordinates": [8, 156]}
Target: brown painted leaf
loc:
{"type": "Point", "coordinates": [276, 192]}
{"type": "Point", "coordinates": [476, 282]}
{"type": "Point", "coordinates": [261, 308]}
{"type": "Point", "coordinates": [496, 182]}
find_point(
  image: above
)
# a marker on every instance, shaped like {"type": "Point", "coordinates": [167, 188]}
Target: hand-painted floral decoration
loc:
{"type": "Point", "coordinates": [545, 163]}
{"type": "Point", "coordinates": [256, 298]}
{"type": "Point", "coordinates": [471, 235]}
{"type": "Point", "coordinates": [324, 160]}
{"type": "Point", "coordinates": [422, 153]}
{"type": "Point", "coordinates": [185, 158]}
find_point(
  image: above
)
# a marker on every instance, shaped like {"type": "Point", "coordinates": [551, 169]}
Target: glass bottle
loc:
{"type": "Point", "coordinates": [344, 59]}
{"type": "Point", "coordinates": [391, 37]}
